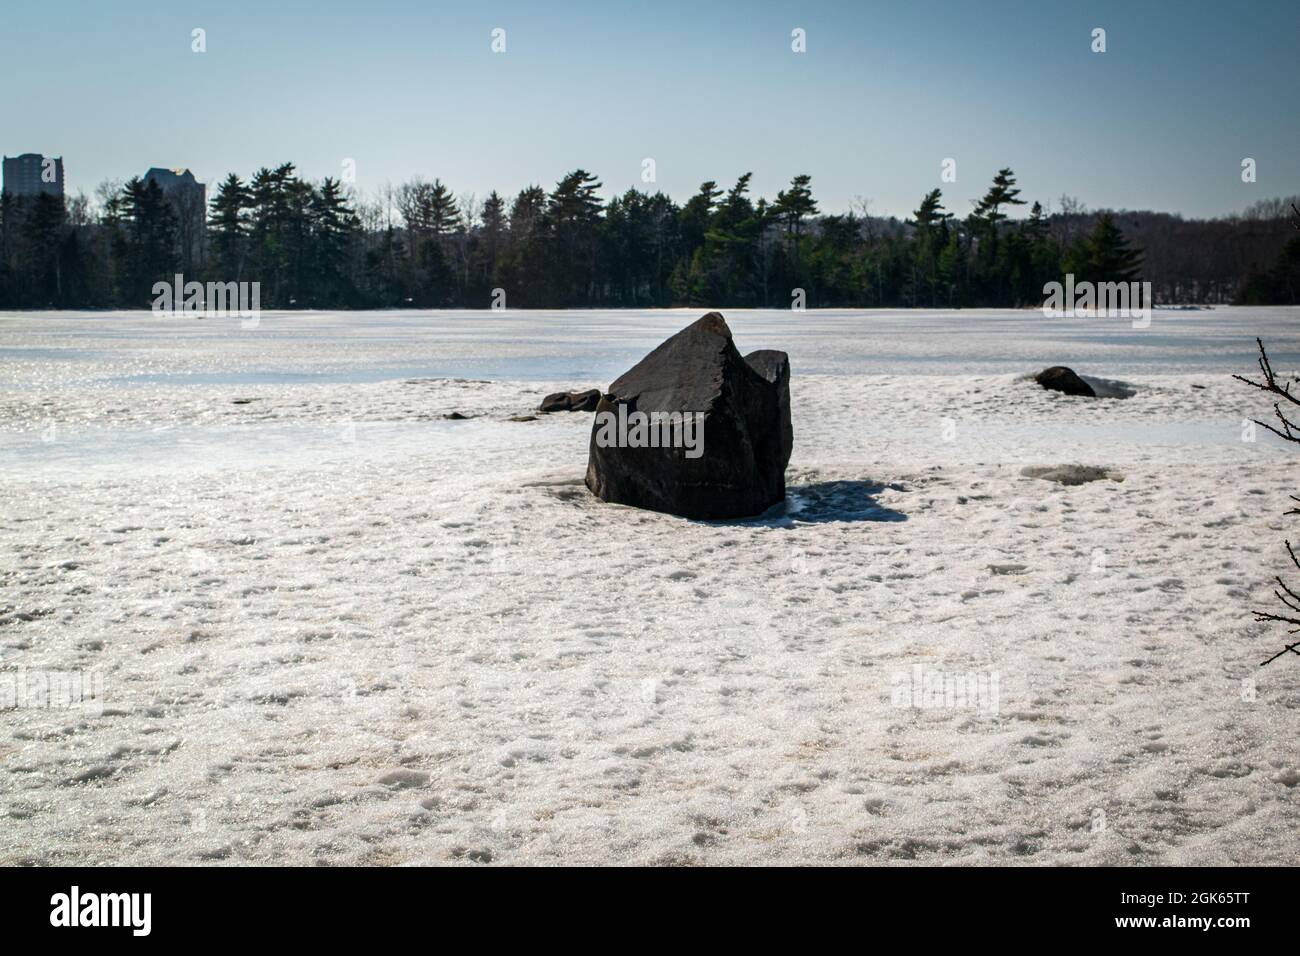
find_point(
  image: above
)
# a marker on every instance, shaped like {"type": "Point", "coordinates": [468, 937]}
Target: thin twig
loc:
{"type": "Point", "coordinates": [1270, 383]}
{"type": "Point", "coordinates": [1289, 647]}
{"type": "Point", "coordinates": [1288, 598]}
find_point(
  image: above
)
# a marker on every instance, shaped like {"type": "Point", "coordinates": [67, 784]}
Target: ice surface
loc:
{"type": "Point", "coordinates": [335, 627]}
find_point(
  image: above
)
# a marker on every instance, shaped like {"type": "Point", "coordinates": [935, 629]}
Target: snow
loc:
{"type": "Point", "coordinates": [334, 627]}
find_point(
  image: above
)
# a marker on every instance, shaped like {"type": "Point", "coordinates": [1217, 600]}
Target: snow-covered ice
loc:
{"type": "Point", "coordinates": [333, 626]}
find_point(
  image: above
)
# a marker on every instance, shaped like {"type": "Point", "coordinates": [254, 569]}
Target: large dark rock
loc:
{"type": "Point", "coordinates": [745, 439]}
{"type": "Point", "coordinates": [775, 367]}
{"type": "Point", "coordinates": [571, 401]}
{"type": "Point", "coordinates": [1058, 378]}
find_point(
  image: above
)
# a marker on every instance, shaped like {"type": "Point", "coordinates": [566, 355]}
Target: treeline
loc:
{"type": "Point", "coordinates": [319, 245]}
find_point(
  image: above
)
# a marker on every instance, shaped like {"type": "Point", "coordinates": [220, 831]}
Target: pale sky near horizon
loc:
{"type": "Point", "coordinates": [1162, 120]}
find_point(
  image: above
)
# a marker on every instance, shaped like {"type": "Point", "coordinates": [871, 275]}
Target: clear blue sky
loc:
{"type": "Point", "coordinates": [885, 91]}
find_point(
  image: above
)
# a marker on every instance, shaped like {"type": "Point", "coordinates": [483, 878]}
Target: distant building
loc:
{"type": "Point", "coordinates": [31, 174]}
{"type": "Point", "coordinates": [177, 183]}
{"type": "Point", "coordinates": [189, 198]}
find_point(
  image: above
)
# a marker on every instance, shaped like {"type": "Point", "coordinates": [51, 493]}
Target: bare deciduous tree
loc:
{"type": "Point", "coordinates": [1290, 432]}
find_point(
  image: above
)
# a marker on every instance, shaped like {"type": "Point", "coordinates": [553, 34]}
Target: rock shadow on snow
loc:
{"type": "Point", "coordinates": [1109, 387]}
{"type": "Point", "coordinates": [824, 502]}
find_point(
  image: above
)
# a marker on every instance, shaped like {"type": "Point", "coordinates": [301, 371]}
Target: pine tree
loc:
{"type": "Point", "coordinates": [726, 262]}
{"type": "Point", "coordinates": [792, 207]}
{"type": "Point", "coordinates": [428, 208]}
{"type": "Point", "coordinates": [991, 280]}
{"type": "Point", "coordinates": [1279, 285]}
{"type": "Point", "coordinates": [526, 213]}
{"type": "Point", "coordinates": [382, 272]}
{"type": "Point", "coordinates": [1036, 225]}
{"type": "Point", "coordinates": [931, 222]}
{"type": "Point", "coordinates": [572, 217]}
{"type": "Point", "coordinates": [1003, 192]}
{"type": "Point", "coordinates": [335, 228]}
{"type": "Point", "coordinates": [42, 239]}
{"type": "Point", "coordinates": [522, 269]}
{"type": "Point", "coordinates": [693, 221]}
{"type": "Point", "coordinates": [147, 244]}
{"type": "Point", "coordinates": [229, 229]}
{"type": "Point", "coordinates": [1107, 256]}
{"type": "Point", "coordinates": [574, 201]}
{"type": "Point", "coordinates": [632, 248]}
{"type": "Point", "coordinates": [795, 204]}
{"type": "Point", "coordinates": [931, 211]}
{"type": "Point", "coordinates": [277, 234]}
{"type": "Point", "coordinates": [495, 234]}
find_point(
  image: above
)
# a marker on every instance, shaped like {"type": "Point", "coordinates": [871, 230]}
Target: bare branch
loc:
{"type": "Point", "coordinates": [1288, 598]}
{"type": "Point", "coordinates": [1289, 647]}
{"type": "Point", "coordinates": [1270, 383]}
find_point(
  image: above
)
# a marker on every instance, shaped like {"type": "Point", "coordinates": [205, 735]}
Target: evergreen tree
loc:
{"type": "Point", "coordinates": [382, 270]}
{"type": "Point", "coordinates": [272, 242]}
{"type": "Point", "coordinates": [931, 222]}
{"type": "Point", "coordinates": [522, 269]}
{"type": "Point", "coordinates": [1003, 192]}
{"type": "Point", "coordinates": [730, 245]}
{"type": "Point", "coordinates": [308, 244]}
{"type": "Point", "coordinates": [637, 238]}
{"type": "Point", "coordinates": [992, 269]}
{"type": "Point", "coordinates": [495, 233]}
{"type": "Point", "coordinates": [335, 229]}
{"type": "Point", "coordinates": [795, 204]}
{"type": "Point", "coordinates": [1106, 255]}
{"type": "Point", "coordinates": [147, 241]}
{"type": "Point", "coordinates": [1036, 228]}
{"type": "Point", "coordinates": [791, 208]}
{"type": "Point", "coordinates": [572, 214]}
{"type": "Point", "coordinates": [694, 219]}
{"type": "Point", "coordinates": [229, 229]}
{"type": "Point", "coordinates": [42, 238]}
{"type": "Point", "coordinates": [1280, 284]}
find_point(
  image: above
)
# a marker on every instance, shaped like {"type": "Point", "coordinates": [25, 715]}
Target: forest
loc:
{"type": "Point", "coordinates": [323, 245]}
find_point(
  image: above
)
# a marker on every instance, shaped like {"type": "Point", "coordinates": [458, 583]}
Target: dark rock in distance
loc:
{"type": "Point", "coordinates": [571, 401]}
{"type": "Point", "coordinates": [1058, 378]}
{"type": "Point", "coordinates": [746, 437]}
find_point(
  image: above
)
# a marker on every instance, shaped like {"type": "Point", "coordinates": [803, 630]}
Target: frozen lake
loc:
{"type": "Point", "coordinates": [334, 626]}
{"type": "Point", "coordinates": [136, 393]}
{"type": "Point", "coordinates": [109, 349]}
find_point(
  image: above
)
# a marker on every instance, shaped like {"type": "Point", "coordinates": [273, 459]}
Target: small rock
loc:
{"type": "Point", "coordinates": [404, 779]}
{"type": "Point", "coordinates": [1070, 474]}
{"type": "Point", "coordinates": [456, 417]}
{"type": "Point", "coordinates": [571, 401]}
{"type": "Point", "coordinates": [1058, 378]}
